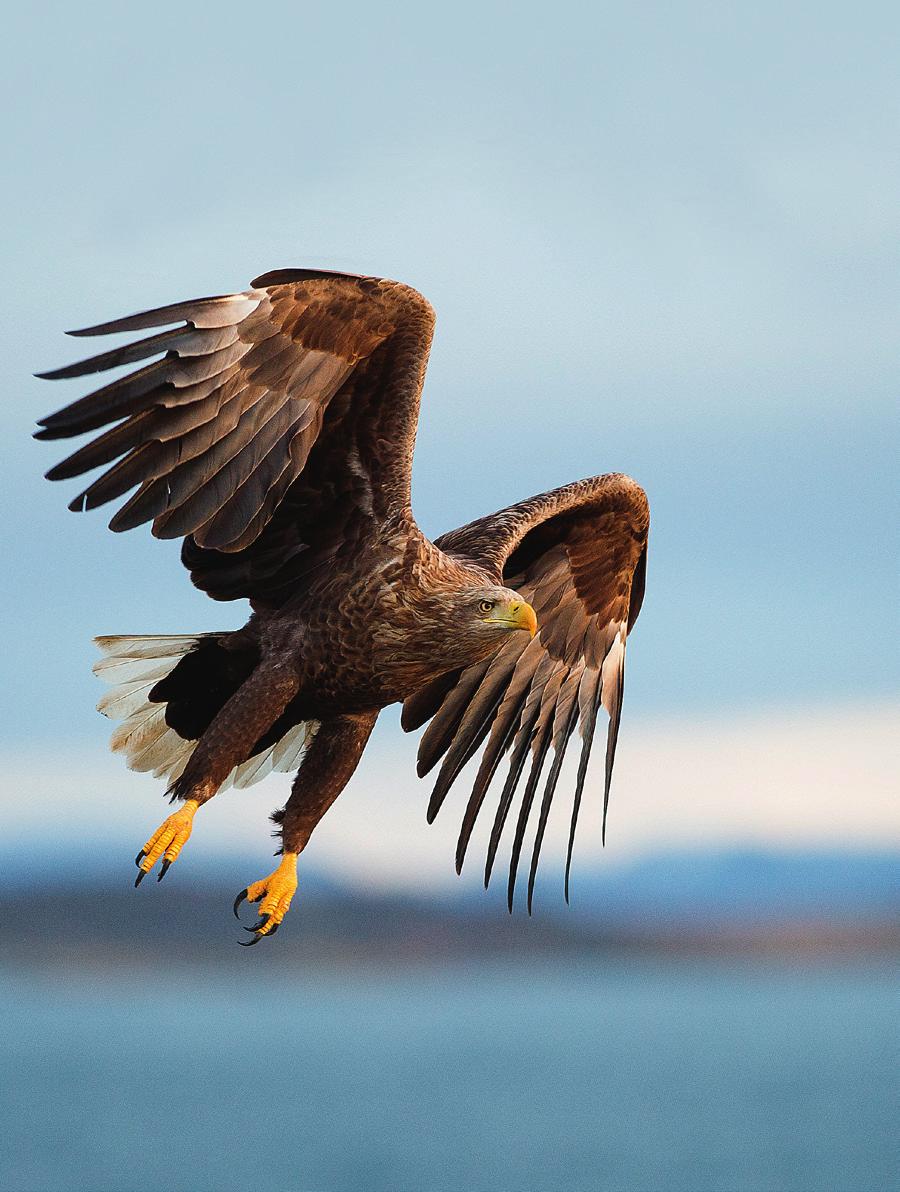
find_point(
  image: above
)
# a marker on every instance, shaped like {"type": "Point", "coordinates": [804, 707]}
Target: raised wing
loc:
{"type": "Point", "coordinates": [305, 380]}
{"type": "Point", "coordinates": [578, 555]}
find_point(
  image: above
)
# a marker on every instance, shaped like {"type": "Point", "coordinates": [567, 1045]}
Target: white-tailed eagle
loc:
{"type": "Point", "coordinates": [273, 431]}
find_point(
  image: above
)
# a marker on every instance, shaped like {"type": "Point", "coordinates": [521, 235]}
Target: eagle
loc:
{"type": "Point", "coordinates": [272, 430]}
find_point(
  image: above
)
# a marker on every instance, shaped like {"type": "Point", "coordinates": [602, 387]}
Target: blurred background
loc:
{"type": "Point", "coordinates": [659, 239]}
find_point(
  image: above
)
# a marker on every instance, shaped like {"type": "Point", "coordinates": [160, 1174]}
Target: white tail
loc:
{"type": "Point", "coordinates": [132, 665]}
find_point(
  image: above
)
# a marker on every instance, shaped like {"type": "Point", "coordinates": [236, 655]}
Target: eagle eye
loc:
{"type": "Point", "coordinates": [486, 605]}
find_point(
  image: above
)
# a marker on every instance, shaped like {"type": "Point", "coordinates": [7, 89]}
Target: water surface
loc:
{"type": "Point", "coordinates": [634, 1076]}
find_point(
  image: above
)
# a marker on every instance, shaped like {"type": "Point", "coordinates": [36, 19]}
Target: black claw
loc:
{"type": "Point", "coordinates": [140, 877]}
{"type": "Point", "coordinates": [163, 870]}
{"type": "Point", "coordinates": [139, 858]}
{"type": "Point", "coordinates": [237, 902]}
{"type": "Point", "coordinates": [257, 931]}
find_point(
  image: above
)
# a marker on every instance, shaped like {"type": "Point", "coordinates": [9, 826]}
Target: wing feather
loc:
{"type": "Point", "coordinates": [521, 743]}
{"type": "Point", "coordinates": [588, 703]}
{"type": "Point", "coordinates": [502, 734]}
{"type": "Point", "coordinates": [214, 433]}
{"type": "Point", "coordinates": [538, 755]}
{"type": "Point", "coordinates": [518, 759]}
{"type": "Point", "coordinates": [564, 720]}
{"type": "Point", "coordinates": [186, 341]}
{"type": "Point", "coordinates": [440, 733]}
{"type": "Point", "coordinates": [119, 399]}
{"type": "Point", "coordinates": [220, 311]}
{"type": "Point", "coordinates": [478, 715]}
{"type": "Point", "coordinates": [578, 555]}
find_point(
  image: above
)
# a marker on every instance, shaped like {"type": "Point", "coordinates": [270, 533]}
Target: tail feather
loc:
{"type": "Point", "coordinates": [147, 646]}
{"type": "Point", "coordinates": [141, 729]}
{"type": "Point", "coordinates": [123, 701]}
{"type": "Point", "coordinates": [134, 666]}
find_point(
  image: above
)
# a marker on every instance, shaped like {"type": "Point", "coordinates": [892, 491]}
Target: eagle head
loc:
{"type": "Point", "coordinates": [495, 611]}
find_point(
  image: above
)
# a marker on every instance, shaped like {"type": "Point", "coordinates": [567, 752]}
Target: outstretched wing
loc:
{"type": "Point", "coordinates": [302, 391]}
{"type": "Point", "coordinates": [578, 555]}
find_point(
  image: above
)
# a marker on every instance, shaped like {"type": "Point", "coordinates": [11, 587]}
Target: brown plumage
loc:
{"type": "Point", "coordinates": [274, 433]}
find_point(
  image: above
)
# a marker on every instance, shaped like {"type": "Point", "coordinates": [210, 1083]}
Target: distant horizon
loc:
{"type": "Point", "coordinates": [802, 909]}
{"type": "Point", "coordinates": [679, 878]}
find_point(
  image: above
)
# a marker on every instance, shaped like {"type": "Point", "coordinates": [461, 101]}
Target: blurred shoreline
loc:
{"type": "Point", "coordinates": [797, 909]}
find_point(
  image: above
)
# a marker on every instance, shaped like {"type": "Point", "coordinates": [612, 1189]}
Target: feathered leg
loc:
{"type": "Point", "coordinates": [254, 708]}
{"type": "Point", "coordinates": [326, 769]}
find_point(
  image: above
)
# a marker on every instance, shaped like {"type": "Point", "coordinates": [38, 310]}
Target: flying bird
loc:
{"type": "Point", "coordinates": [272, 430]}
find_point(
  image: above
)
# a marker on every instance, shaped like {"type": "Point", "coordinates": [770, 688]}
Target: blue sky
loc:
{"type": "Point", "coordinates": [660, 239]}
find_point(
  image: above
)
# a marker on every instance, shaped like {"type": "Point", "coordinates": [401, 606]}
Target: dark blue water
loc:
{"type": "Point", "coordinates": [633, 1077]}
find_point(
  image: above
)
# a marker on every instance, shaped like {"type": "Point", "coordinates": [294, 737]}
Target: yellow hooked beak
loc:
{"type": "Point", "coordinates": [517, 615]}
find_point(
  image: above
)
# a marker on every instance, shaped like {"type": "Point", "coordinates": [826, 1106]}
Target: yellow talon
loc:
{"type": "Point", "coordinates": [274, 894]}
{"type": "Point", "coordinates": [167, 841]}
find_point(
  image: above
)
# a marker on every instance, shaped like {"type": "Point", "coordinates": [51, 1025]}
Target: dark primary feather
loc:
{"type": "Point", "coordinates": [216, 311]}
{"type": "Point", "coordinates": [274, 423]}
{"type": "Point", "coordinates": [166, 341]}
{"type": "Point", "coordinates": [540, 745]}
{"type": "Point", "coordinates": [578, 555]}
{"type": "Point", "coordinates": [566, 715]}
{"type": "Point", "coordinates": [478, 701]}
{"type": "Point", "coordinates": [502, 733]}
{"type": "Point", "coordinates": [589, 702]}
{"type": "Point", "coordinates": [423, 705]}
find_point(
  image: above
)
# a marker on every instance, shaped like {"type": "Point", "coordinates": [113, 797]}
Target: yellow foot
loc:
{"type": "Point", "coordinates": [166, 842]}
{"type": "Point", "coordinates": [276, 892]}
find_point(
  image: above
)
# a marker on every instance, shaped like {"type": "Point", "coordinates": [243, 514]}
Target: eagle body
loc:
{"type": "Point", "coordinates": [359, 641]}
{"type": "Point", "coordinates": [273, 432]}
